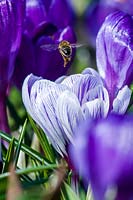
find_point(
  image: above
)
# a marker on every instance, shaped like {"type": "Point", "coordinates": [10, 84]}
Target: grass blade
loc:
{"type": "Point", "coordinates": [9, 156]}
{"type": "Point", "coordinates": [20, 140]}
{"type": "Point", "coordinates": [27, 150]}
{"type": "Point", "coordinates": [67, 193]}
{"type": "Point", "coordinates": [43, 141]}
{"type": "Point", "coordinates": [30, 170]}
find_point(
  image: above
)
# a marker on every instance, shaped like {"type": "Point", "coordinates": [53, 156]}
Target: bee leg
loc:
{"type": "Point", "coordinates": [66, 60]}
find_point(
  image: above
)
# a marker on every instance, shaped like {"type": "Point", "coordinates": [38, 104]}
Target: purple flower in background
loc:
{"type": "Point", "coordinates": [114, 52]}
{"type": "Point", "coordinates": [97, 12]}
{"type": "Point", "coordinates": [58, 107]}
{"type": "Point", "coordinates": [46, 23]}
{"type": "Point", "coordinates": [103, 154]}
{"type": "Point", "coordinates": [11, 17]}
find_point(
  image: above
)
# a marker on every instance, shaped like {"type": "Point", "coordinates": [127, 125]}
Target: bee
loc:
{"type": "Point", "coordinates": [65, 49]}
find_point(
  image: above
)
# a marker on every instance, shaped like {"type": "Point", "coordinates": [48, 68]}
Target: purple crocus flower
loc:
{"type": "Point", "coordinates": [47, 23]}
{"type": "Point", "coordinates": [58, 107]}
{"type": "Point", "coordinates": [103, 154]}
{"type": "Point", "coordinates": [11, 16]}
{"type": "Point", "coordinates": [114, 52]}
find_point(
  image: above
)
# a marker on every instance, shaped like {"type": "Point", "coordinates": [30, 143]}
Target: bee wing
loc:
{"type": "Point", "coordinates": [77, 45]}
{"type": "Point", "coordinates": [49, 47]}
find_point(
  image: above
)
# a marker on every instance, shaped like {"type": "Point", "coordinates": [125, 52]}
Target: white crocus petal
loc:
{"type": "Point", "coordinates": [92, 71]}
{"type": "Point", "coordinates": [60, 79]}
{"type": "Point", "coordinates": [122, 100]}
{"type": "Point", "coordinates": [93, 109]}
{"type": "Point", "coordinates": [105, 102]}
{"type": "Point", "coordinates": [71, 80]}
{"type": "Point", "coordinates": [69, 113]}
{"type": "Point", "coordinates": [100, 93]}
{"type": "Point", "coordinates": [44, 95]}
{"type": "Point", "coordinates": [27, 85]}
{"type": "Point", "coordinates": [40, 101]}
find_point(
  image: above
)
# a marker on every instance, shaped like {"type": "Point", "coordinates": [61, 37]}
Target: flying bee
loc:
{"type": "Point", "coordinates": [65, 49]}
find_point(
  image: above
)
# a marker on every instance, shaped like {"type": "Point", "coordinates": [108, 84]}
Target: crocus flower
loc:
{"type": "Point", "coordinates": [96, 13]}
{"type": "Point", "coordinates": [103, 154]}
{"type": "Point", "coordinates": [114, 51]}
{"type": "Point", "coordinates": [58, 107]}
{"type": "Point", "coordinates": [45, 27]}
{"type": "Point", "coordinates": [11, 16]}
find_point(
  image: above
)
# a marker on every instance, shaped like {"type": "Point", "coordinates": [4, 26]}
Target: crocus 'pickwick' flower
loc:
{"type": "Point", "coordinates": [47, 23]}
{"type": "Point", "coordinates": [11, 17]}
{"type": "Point", "coordinates": [103, 155]}
{"type": "Point", "coordinates": [114, 52]}
{"type": "Point", "coordinates": [58, 107]}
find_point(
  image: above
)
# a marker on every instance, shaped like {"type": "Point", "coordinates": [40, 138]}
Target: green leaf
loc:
{"type": "Point", "coordinates": [9, 156]}
{"type": "Point", "coordinates": [27, 150]}
{"type": "Point", "coordinates": [67, 193]}
{"type": "Point", "coordinates": [30, 170]}
{"type": "Point", "coordinates": [89, 193]}
{"type": "Point", "coordinates": [43, 141]}
{"type": "Point", "coordinates": [20, 140]}
{"type": "Point", "coordinates": [3, 188]}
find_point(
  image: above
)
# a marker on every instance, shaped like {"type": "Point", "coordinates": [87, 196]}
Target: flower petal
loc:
{"type": "Point", "coordinates": [81, 84]}
{"type": "Point", "coordinates": [26, 89]}
{"type": "Point", "coordinates": [11, 21]}
{"type": "Point", "coordinates": [69, 113]}
{"type": "Point", "coordinates": [61, 13]}
{"type": "Point", "coordinates": [92, 71]}
{"type": "Point", "coordinates": [97, 102]}
{"type": "Point", "coordinates": [122, 100]}
{"type": "Point", "coordinates": [35, 14]}
{"type": "Point", "coordinates": [40, 102]}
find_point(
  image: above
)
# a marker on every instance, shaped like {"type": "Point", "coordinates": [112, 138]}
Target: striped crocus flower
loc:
{"type": "Point", "coordinates": [59, 107]}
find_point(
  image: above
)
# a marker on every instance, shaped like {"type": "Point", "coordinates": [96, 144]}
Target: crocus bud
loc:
{"type": "Point", "coordinates": [114, 51]}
